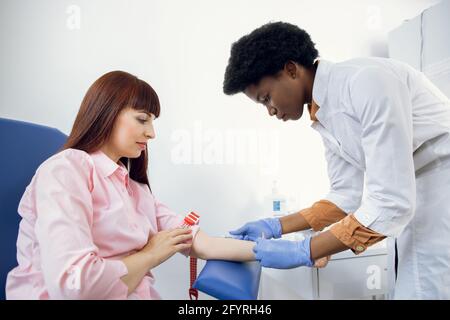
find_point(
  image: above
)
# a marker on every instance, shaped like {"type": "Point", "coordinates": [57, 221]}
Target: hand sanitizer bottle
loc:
{"type": "Point", "coordinates": [278, 202]}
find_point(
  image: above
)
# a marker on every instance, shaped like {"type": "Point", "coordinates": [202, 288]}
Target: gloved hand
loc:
{"type": "Point", "coordinates": [283, 254]}
{"type": "Point", "coordinates": [264, 228]}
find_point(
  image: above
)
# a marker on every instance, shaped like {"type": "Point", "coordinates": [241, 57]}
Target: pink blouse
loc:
{"type": "Point", "coordinates": [81, 214]}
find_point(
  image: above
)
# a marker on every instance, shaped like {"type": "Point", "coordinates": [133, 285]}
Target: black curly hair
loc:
{"type": "Point", "coordinates": [264, 52]}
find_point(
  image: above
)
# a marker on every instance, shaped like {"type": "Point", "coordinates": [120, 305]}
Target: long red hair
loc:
{"type": "Point", "coordinates": [106, 97]}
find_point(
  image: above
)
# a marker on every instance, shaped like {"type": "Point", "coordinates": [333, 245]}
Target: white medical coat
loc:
{"type": "Point", "coordinates": [386, 130]}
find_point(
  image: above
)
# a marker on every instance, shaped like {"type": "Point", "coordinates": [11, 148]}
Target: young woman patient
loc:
{"type": "Point", "coordinates": [91, 227]}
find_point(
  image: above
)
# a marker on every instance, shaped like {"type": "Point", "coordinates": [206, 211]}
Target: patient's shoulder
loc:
{"type": "Point", "coordinates": [69, 161]}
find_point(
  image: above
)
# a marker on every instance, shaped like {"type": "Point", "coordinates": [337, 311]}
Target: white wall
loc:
{"type": "Point", "coordinates": [181, 48]}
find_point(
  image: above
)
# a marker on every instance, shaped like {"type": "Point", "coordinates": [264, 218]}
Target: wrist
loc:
{"type": "Point", "coordinates": [275, 225]}
{"type": "Point", "coordinates": [148, 258]}
{"type": "Point", "coordinates": [304, 252]}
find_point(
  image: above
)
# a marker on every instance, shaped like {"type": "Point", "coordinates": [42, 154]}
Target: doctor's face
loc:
{"type": "Point", "coordinates": [132, 129]}
{"type": "Point", "coordinates": [284, 94]}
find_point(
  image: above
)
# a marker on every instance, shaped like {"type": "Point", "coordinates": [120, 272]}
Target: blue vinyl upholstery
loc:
{"type": "Point", "coordinates": [228, 280]}
{"type": "Point", "coordinates": [24, 146]}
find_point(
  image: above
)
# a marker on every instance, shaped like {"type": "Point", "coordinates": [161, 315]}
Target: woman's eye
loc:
{"type": "Point", "coordinates": [142, 120]}
{"type": "Point", "coordinates": [266, 99]}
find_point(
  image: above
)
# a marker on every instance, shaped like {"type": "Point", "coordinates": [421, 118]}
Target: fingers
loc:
{"type": "Point", "coordinates": [258, 241]}
{"type": "Point", "coordinates": [257, 253]}
{"type": "Point", "coordinates": [180, 231]}
{"type": "Point", "coordinates": [182, 238]}
{"type": "Point", "coordinates": [182, 246]}
{"type": "Point", "coordinates": [318, 263]}
{"type": "Point", "coordinates": [322, 262]}
{"type": "Point", "coordinates": [239, 231]}
{"type": "Point", "coordinates": [243, 237]}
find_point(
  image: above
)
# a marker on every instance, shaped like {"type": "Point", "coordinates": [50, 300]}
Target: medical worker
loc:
{"type": "Point", "coordinates": [386, 128]}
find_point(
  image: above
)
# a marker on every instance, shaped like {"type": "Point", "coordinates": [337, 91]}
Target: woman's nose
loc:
{"type": "Point", "coordinates": [150, 133]}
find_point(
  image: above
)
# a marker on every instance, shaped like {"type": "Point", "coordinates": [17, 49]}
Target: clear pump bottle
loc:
{"type": "Point", "coordinates": [278, 202]}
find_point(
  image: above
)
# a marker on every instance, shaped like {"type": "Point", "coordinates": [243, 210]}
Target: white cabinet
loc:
{"type": "Point", "coordinates": [353, 277]}
{"type": "Point", "coordinates": [292, 284]}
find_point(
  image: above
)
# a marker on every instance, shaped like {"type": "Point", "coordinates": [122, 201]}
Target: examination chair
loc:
{"type": "Point", "coordinates": [24, 146]}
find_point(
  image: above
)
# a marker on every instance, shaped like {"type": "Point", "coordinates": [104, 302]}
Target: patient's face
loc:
{"type": "Point", "coordinates": [132, 129]}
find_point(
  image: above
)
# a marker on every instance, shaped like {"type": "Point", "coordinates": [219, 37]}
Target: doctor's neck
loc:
{"type": "Point", "coordinates": [309, 77]}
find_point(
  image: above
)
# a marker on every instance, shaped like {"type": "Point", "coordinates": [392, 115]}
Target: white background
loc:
{"type": "Point", "coordinates": [181, 48]}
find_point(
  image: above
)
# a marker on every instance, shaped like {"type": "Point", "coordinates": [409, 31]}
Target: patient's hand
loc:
{"type": "Point", "coordinates": [322, 262]}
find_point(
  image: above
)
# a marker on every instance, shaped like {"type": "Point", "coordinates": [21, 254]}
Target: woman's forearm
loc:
{"type": "Point", "coordinates": [209, 248]}
{"type": "Point", "coordinates": [138, 265]}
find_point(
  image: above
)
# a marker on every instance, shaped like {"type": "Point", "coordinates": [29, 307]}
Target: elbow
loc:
{"type": "Point", "coordinates": [408, 212]}
{"type": "Point", "coordinates": [67, 290]}
{"type": "Point", "coordinates": [409, 206]}
{"type": "Point", "coordinates": [408, 200]}
{"type": "Point", "coordinates": [68, 286]}
{"type": "Point", "coordinates": [64, 292]}
{"type": "Point", "coordinates": [405, 213]}
{"type": "Point", "coordinates": [87, 280]}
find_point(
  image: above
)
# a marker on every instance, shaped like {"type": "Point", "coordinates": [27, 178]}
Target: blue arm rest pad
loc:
{"type": "Point", "coordinates": [229, 280]}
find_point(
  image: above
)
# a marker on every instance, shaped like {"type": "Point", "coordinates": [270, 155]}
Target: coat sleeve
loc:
{"type": "Point", "coordinates": [383, 106]}
{"type": "Point", "coordinates": [346, 181]}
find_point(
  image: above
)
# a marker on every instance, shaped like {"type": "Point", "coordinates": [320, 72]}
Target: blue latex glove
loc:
{"type": "Point", "coordinates": [265, 228]}
{"type": "Point", "coordinates": [283, 254]}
